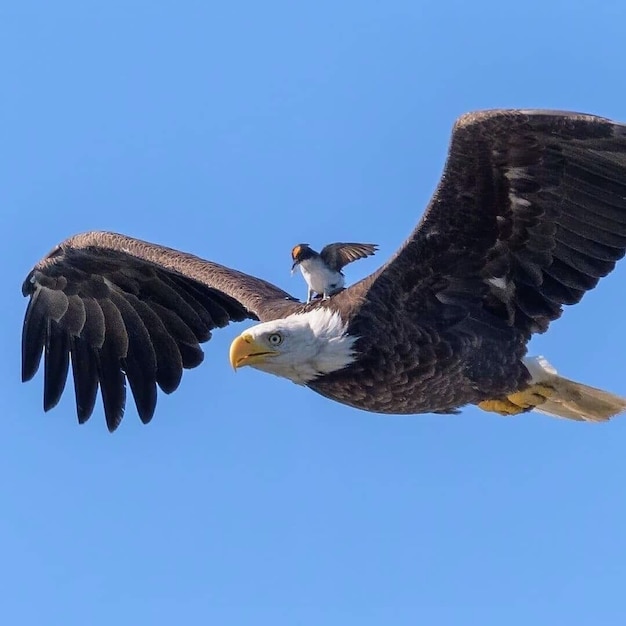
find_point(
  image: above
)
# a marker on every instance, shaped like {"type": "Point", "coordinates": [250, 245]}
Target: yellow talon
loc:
{"type": "Point", "coordinates": [518, 402]}
{"type": "Point", "coordinates": [502, 407]}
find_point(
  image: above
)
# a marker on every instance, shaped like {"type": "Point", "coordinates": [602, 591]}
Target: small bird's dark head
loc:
{"type": "Point", "coordinates": [300, 253]}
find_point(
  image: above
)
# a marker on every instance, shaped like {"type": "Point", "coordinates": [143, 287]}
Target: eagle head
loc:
{"type": "Point", "coordinates": [299, 347]}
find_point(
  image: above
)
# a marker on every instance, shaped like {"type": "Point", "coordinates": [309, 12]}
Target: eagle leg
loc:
{"type": "Point", "coordinates": [518, 402]}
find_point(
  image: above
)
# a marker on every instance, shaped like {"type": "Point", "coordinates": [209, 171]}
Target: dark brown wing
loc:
{"type": "Point", "coordinates": [529, 214]}
{"type": "Point", "coordinates": [337, 255]}
{"type": "Point", "coordinates": [119, 308]}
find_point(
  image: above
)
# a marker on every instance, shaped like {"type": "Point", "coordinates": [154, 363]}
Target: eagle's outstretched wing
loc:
{"type": "Point", "coordinates": [529, 214]}
{"type": "Point", "coordinates": [127, 309]}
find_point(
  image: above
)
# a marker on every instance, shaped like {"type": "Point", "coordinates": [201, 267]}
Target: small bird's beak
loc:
{"type": "Point", "coordinates": [293, 267]}
{"type": "Point", "coordinates": [244, 350]}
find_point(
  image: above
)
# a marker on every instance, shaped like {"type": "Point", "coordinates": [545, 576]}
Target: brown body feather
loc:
{"type": "Point", "coordinates": [529, 215]}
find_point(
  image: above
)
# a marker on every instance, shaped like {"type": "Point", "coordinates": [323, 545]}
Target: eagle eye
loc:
{"type": "Point", "coordinates": [275, 339]}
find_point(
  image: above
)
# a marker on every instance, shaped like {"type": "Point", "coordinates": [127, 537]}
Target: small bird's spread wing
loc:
{"type": "Point", "coordinates": [529, 214]}
{"type": "Point", "coordinates": [126, 309]}
{"type": "Point", "coordinates": [337, 255]}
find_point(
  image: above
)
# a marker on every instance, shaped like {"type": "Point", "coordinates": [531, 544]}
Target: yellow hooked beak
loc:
{"type": "Point", "coordinates": [245, 350]}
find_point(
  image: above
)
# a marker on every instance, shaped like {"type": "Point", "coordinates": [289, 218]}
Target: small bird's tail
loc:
{"type": "Point", "coordinates": [570, 399]}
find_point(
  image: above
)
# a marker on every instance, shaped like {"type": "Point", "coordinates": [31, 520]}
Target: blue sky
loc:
{"type": "Point", "coordinates": [235, 130]}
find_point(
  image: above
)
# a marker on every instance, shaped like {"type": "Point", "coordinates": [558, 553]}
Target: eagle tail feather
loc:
{"type": "Point", "coordinates": [570, 399]}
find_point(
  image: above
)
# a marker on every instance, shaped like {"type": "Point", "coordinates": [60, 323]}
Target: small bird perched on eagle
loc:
{"type": "Point", "coordinates": [322, 270]}
{"type": "Point", "coordinates": [529, 214]}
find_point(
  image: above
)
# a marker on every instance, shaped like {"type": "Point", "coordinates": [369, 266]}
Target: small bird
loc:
{"type": "Point", "coordinates": [322, 270]}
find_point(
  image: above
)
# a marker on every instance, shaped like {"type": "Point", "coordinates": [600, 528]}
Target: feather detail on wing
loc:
{"type": "Point", "coordinates": [529, 214]}
{"type": "Point", "coordinates": [123, 309]}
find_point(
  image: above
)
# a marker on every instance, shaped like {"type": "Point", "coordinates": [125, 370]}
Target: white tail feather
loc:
{"type": "Point", "coordinates": [573, 400]}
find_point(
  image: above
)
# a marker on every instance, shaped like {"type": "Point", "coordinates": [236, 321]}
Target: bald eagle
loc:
{"type": "Point", "coordinates": [529, 214]}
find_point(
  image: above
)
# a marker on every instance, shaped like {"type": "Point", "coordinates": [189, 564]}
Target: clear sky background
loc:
{"type": "Point", "coordinates": [235, 130]}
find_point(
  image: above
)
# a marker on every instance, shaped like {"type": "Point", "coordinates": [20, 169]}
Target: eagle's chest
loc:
{"type": "Point", "coordinates": [409, 369]}
{"type": "Point", "coordinates": [406, 367]}
{"type": "Point", "coordinates": [319, 277]}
